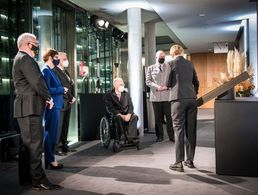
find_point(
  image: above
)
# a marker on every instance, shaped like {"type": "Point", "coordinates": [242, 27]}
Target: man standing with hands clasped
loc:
{"type": "Point", "coordinates": [32, 96]}
{"type": "Point", "coordinates": [156, 79]}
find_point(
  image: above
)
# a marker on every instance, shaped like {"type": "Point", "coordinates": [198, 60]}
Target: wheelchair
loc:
{"type": "Point", "coordinates": [109, 131]}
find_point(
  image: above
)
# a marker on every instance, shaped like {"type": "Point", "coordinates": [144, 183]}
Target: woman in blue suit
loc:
{"type": "Point", "coordinates": [52, 116]}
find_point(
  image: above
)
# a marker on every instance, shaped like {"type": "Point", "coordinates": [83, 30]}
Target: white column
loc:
{"type": "Point", "coordinates": [253, 42]}
{"type": "Point", "coordinates": [150, 58]}
{"type": "Point", "coordinates": [150, 43]}
{"type": "Point", "coordinates": [135, 62]}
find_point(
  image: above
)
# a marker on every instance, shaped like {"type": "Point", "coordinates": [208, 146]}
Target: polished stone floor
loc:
{"type": "Point", "coordinates": [96, 170]}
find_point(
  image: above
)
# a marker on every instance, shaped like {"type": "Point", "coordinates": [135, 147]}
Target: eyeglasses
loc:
{"type": "Point", "coordinates": [34, 43]}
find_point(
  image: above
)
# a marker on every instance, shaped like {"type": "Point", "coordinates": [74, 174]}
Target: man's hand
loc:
{"type": "Point", "coordinates": [73, 100]}
{"type": "Point", "coordinates": [162, 88]}
{"type": "Point", "coordinates": [50, 104]}
{"type": "Point", "coordinates": [127, 117]}
{"type": "Point", "coordinates": [65, 90]}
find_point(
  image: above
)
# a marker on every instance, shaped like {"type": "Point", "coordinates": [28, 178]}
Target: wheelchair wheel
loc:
{"type": "Point", "coordinates": [116, 146]}
{"type": "Point", "coordinates": [105, 132]}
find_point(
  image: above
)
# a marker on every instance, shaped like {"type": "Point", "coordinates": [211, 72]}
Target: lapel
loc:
{"type": "Point", "coordinates": [54, 76]}
{"type": "Point", "coordinates": [115, 98]}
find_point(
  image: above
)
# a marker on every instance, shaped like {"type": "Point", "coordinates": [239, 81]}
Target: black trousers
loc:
{"type": "Point", "coordinates": [184, 116]}
{"type": "Point", "coordinates": [127, 128]}
{"type": "Point", "coordinates": [30, 153]}
{"type": "Point", "coordinates": [161, 109]}
{"type": "Point", "coordinates": [64, 122]}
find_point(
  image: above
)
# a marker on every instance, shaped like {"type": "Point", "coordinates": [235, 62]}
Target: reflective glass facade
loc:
{"type": "Point", "coordinates": [14, 20]}
{"type": "Point", "coordinates": [58, 24]}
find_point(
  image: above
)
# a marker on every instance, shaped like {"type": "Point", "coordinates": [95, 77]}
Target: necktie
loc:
{"type": "Point", "coordinates": [160, 67]}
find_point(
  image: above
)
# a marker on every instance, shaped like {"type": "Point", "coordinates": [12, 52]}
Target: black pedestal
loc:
{"type": "Point", "coordinates": [92, 109]}
{"type": "Point", "coordinates": [236, 137]}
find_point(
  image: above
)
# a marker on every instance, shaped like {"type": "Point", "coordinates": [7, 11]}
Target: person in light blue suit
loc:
{"type": "Point", "coordinates": [52, 116]}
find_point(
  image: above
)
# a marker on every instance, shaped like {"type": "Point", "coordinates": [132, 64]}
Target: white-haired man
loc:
{"type": "Point", "coordinates": [32, 96]}
{"type": "Point", "coordinates": [119, 103]}
{"type": "Point", "coordinates": [156, 79]}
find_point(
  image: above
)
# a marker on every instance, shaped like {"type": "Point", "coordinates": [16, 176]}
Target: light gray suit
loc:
{"type": "Point", "coordinates": [157, 75]}
{"type": "Point", "coordinates": [184, 86]}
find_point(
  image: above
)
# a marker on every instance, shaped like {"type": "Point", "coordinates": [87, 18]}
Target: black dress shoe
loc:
{"type": "Point", "coordinates": [68, 149]}
{"type": "Point", "coordinates": [189, 164]}
{"type": "Point", "coordinates": [51, 166]}
{"type": "Point", "coordinates": [45, 187]}
{"type": "Point", "coordinates": [172, 139]}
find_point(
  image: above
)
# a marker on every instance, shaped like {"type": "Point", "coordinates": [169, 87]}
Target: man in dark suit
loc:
{"type": "Point", "coordinates": [119, 103]}
{"type": "Point", "coordinates": [32, 96]}
{"type": "Point", "coordinates": [183, 84]}
{"type": "Point", "coordinates": [69, 99]}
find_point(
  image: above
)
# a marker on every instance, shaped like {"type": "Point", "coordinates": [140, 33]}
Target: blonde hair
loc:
{"type": "Point", "coordinates": [176, 50]}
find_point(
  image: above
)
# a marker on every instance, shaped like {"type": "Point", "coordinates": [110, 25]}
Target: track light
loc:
{"type": "Point", "coordinates": [119, 35]}
{"type": "Point", "coordinates": [98, 22]}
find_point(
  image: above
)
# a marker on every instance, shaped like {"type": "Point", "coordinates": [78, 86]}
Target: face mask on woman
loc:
{"type": "Point", "coordinates": [55, 62]}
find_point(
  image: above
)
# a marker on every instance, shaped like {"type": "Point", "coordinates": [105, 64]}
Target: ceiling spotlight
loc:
{"type": "Point", "coordinates": [99, 22]}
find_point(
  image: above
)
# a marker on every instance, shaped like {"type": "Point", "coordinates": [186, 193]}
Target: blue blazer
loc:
{"type": "Point", "coordinates": [54, 86]}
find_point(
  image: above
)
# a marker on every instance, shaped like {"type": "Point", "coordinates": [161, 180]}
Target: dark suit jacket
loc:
{"type": "Point", "coordinates": [54, 86]}
{"type": "Point", "coordinates": [31, 88]}
{"type": "Point", "coordinates": [124, 106]}
{"type": "Point", "coordinates": [67, 82]}
{"type": "Point", "coordinates": [182, 80]}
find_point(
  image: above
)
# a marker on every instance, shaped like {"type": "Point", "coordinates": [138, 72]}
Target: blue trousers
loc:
{"type": "Point", "coordinates": [51, 129]}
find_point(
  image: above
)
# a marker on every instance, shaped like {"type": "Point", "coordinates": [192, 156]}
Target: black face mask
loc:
{"type": "Point", "coordinates": [161, 60]}
{"type": "Point", "coordinates": [35, 49]}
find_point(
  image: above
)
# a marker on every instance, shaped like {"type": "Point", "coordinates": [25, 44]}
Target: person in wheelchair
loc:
{"type": "Point", "coordinates": [119, 104]}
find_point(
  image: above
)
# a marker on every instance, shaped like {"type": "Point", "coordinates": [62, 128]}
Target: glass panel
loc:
{"type": "Point", "coordinates": [14, 20]}
{"type": "Point", "coordinates": [94, 56]}
{"type": "Point", "coordinates": [82, 51]}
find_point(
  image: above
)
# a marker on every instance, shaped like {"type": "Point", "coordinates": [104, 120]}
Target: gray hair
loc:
{"type": "Point", "coordinates": [117, 79]}
{"type": "Point", "coordinates": [23, 38]}
{"type": "Point", "coordinates": [62, 54]}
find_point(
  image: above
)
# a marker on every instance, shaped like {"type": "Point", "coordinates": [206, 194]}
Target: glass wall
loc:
{"type": "Point", "coordinates": [92, 50]}
{"type": "Point", "coordinates": [14, 20]}
{"type": "Point", "coordinates": [94, 56]}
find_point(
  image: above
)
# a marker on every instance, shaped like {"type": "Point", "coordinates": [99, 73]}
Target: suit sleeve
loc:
{"type": "Point", "coordinates": [52, 90]}
{"type": "Point", "coordinates": [149, 80]}
{"type": "Point", "coordinates": [169, 82]}
{"type": "Point", "coordinates": [109, 105]}
{"type": "Point", "coordinates": [195, 82]}
{"type": "Point", "coordinates": [33, 75]}
{"type": "Point", "coordinates": [71, 92]}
